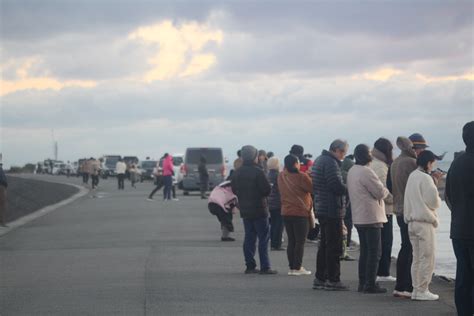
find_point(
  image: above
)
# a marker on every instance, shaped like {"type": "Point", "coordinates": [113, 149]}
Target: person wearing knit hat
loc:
{"type": "Point", "coordinates": [251, 187]}
{"type": "Point", "coordinates": [459, 192]}
{"type": "Point", "coordinates": [419, 142]}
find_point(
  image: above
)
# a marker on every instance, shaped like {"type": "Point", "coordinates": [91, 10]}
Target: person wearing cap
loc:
{"type": "Point", "coordinates": [460, 199]}
{"type": "Point", "coordinates": [420, 205]}
{"type": "Point", "coordinates": [251, 187]}
{"type": "Point", "coordinates": [329, 203]}
{"type": "Point", "coordinates": [3, 197]}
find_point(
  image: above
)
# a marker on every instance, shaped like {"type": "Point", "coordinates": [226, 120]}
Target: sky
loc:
{"type": "Point", "coordinates": [148, 77]}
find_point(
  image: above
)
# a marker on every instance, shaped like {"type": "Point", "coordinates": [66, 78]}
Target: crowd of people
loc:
{"type": "Point", "coordinates": [367, 190]}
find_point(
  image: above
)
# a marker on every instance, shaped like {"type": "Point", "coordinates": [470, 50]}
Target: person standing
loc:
{"type": "Point", "coordinates": [401, 169]}
{"type": "Point", "coordinates": [238, 162]}
{"type": "Point", "coordinates": [3, 196]}
{"type": "Point", "coordinates": [420, 205]}
{"type": "Point", "coordinates": [134, 175]}
{"type": "Point", "coordinates": [382, 160]}
{"type": "Point", "coordinates": [346, 165]}
{"type": "Point", "coordinates": [203, 177]}
{"type": "Point", "coordinates": [120, 169]}
{"type": "Point", "coordinates": [295, 189]}
{"type": "Point", "coordinates": [329, 202]}
{"type": "Point", "coordinates": [68, 169]}
{"type": "Point", "coordinates": [460, 199]}
{"type": "Point", "coordinates": [251, 186]}
{"type": "Point", "coordinates": [366, 194]}
{"type": "Point", "coordinates": [94, 172]}
{"type": "Point", "coordinates": [167, 176]}
{"type": "Point", "coordinates": [262, 160]}
{"type": "Point", "coordinates": [85, 169]}
{"type": "Point", "coordinates": [274, 203]}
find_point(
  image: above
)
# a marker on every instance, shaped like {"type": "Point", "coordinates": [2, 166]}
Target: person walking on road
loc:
{"type": "Point", "coordinates": [420, 205]}
{"type": "Point", "coordinates": [274, 203]}
{"type": "Point", "coordinates": [94, 172]}
{"type": "Point", "coordinates": [134, 175]}
{"type": "Point", "coordinates": [85, 171]}
{"type": "Point", "coordinates": [367, 193]}
{"type": "Point", "coordinates": [252, 188]}
{"type": "Point", "coordinates": [68, 169]}
{"type": "Point", "coordinates": [382, 160]}
{"type": "Point", "coordinates": [329, 202]}
{"type": "Point", "coordinates": [460, 200]}
{"type": "Point", "coordinates": [297, 208]}
{"type": "Point", "coordinates": [120, 169]}
{"type": "Point", "coordinates": [223, 203]}
{"type": "Point", "coordinates": [168, 172]}
{"type": "Point", "coordinates": [203, 177]}
{"type": "Point", "coordinates": [3, 196]}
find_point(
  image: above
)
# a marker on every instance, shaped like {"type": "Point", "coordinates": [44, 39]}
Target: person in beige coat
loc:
{"type": "Point", "coordinates": [383, 158]}
{"type": "Point", "coordinates": [421, 202]}
{"type": "Point", "coordinates": [367, 193]}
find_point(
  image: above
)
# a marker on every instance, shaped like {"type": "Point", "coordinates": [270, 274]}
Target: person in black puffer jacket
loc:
{"type": "Point", "coordinates": [251, 186]}
{"type": "Point", "coordinates": [329, 204]}
{"type": "Point", "coordinates": [274, 202]}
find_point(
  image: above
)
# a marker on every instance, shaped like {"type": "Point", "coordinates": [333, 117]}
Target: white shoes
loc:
{"type": "Point", "coordinates": [403, 294]}
{"type": "Point", "coordinates": [386, 279]}
{"type": "Point", "coordinates": [301, 271]}
{"type": "Point", "coordinates": [424, 296]}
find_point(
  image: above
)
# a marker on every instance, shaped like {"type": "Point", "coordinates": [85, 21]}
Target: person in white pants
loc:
{"type": "Point", "coordinates": [420, 205]}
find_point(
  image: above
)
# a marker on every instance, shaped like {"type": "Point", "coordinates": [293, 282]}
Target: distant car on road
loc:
{"type": "Point", "coordinates": [147, 167]}
{"type": "Point", "coordinates": [108, 165]}
{"type": "Point", "coordinates": [215, 165]}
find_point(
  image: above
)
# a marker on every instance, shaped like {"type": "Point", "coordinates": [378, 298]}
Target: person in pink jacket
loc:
{"type": "Point", "coordinates": [367, 193]}
{"type": "Point", "coordinates": [167, 176]}
{"type": "Point", "coordinates": [222, 203]}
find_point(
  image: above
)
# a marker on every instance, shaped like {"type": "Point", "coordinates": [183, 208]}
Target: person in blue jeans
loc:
{"type": "Point", "coordinates": [251, 186]}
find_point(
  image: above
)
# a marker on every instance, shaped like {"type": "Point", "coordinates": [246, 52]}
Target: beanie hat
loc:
{"type": "Point", "coordinates": [468, 134]}
{"type": "Point", "coordinates": [249, 153]}
{"type": "Point", "coordinates": [418, 141]}
{"type": "Point", "coordinates": [297, 150]}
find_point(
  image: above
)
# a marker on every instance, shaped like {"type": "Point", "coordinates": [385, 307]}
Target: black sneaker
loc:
{"type": "Point", "coordinates": [335, 286]}
{"type": "Point", "coordinates": [278, 249]}
{"type": "Point", "coordinates": [252, 271]}
{"type": "Point", "coordinates": [375, 290]}
{"type": "Point", "coordinates": [318, 284]}
{"type": "Point", "coordinates": [227, 239]}
{"type": "Point", "coordinates": [268, 271]}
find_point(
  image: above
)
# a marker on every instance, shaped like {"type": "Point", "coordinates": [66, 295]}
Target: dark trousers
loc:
{"type": "Point", "coordinates": [256, 228]}
{"type": "Point", "coordinates": [276, 228]}
{"type": "Point", "coordinates": [349, 225]}
{"type": "Point", "coordinates": [296, 229]}
{"type": "Point", "coordinates": [95, 181]}
{"type": "Point", "coordinates": [121, 179]}
{"type": "Point", "coordinates": [387, 241]}
{"type": "Point", "coordinates": [405, 259]}
{"type": "Point", "coordinates": [3, 204]}
{"type": "Point", "coordinates": [204, 186]}
{"type": "Point", "coordinates": [328, 264]}
{"type": "Point", "coordinates": [464, 289]}
{"type": "Point", "coordinates": [224, 218]}
{"type": "Point", "coordinates": [370, 252]}
{"type": "Point", "coordinates": [85, 177]}
{"type": "Point", "coordinates": [168, 182]}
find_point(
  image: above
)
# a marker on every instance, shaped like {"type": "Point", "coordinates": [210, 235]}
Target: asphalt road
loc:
{"type": "Point", "coordinates": [119, 254]}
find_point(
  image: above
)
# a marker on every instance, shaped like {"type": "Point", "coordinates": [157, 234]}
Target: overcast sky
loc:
{"type": "Point", "coordinates": [147, 77]}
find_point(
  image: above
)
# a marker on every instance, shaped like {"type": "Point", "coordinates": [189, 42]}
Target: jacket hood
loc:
{"type": "Point", "coordinates": [406, 146]}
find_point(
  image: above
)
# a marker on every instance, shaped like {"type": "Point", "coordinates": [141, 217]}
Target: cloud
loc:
{"type": "Point", "coordinates": [178, 48]}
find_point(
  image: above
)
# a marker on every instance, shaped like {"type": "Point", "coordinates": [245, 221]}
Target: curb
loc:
{"type": "Point", "coordinates": [43, 211]}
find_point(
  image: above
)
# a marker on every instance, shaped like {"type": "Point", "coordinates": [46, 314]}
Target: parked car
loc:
{"type": "Point", "coordinates": [108, 165]}
{"type": "Point", "coordinates": [147, 167]}
{"type": "Point", "coordinates": [215, 166]}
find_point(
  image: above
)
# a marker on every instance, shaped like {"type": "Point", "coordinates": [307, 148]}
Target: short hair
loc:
{"type": "Point", "coordinates": [290, 162]}
{"type": "Point", "coordinates": [338, 144]}
{"type": "Point", "coordinates": [239, 153]}
{"type": "Point", "coordinates": [424, 158]}
{"type": "Point", "coordinates": [362, 155]}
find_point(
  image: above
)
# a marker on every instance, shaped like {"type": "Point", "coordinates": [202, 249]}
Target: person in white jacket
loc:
{"type": "Point", "coordinates": [420, 205]}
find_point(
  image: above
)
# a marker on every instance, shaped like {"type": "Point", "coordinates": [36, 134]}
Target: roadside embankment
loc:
{"type": "Point", "coordinates": [25, 196]}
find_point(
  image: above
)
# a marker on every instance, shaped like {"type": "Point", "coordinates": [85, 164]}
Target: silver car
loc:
{"type": "Point", "coordinates": [215, 165]}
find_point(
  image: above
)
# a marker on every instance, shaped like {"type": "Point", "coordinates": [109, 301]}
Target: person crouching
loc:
{"type": "Point", "coordinates": [222, 203]}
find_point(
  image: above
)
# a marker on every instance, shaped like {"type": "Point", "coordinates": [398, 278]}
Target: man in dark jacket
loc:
{"type": "Point", "coordinates": [460, 199]}
{"type": "Point", "coordinates": [329, 204]}
{"type": "Point", "coordinates": [251, 186]}
{"type": "Point", "coordinates": [3, 196]}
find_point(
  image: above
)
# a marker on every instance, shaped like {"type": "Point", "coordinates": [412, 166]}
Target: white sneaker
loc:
{"type": "Point", "coordinates": [175, 199]}
{"type": "Point", "coordinates": [386, 279]}
{"type": "Point", "coordinates": [291, 272]}
{"type": "Point", "coordinates": [425, 296]}
{"type": "Point", "coordinates": [150, 199]}
{"type": "Point", "coordinates": [301, 271]}
{"type": "Point", "coordinates": [403, 294]}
